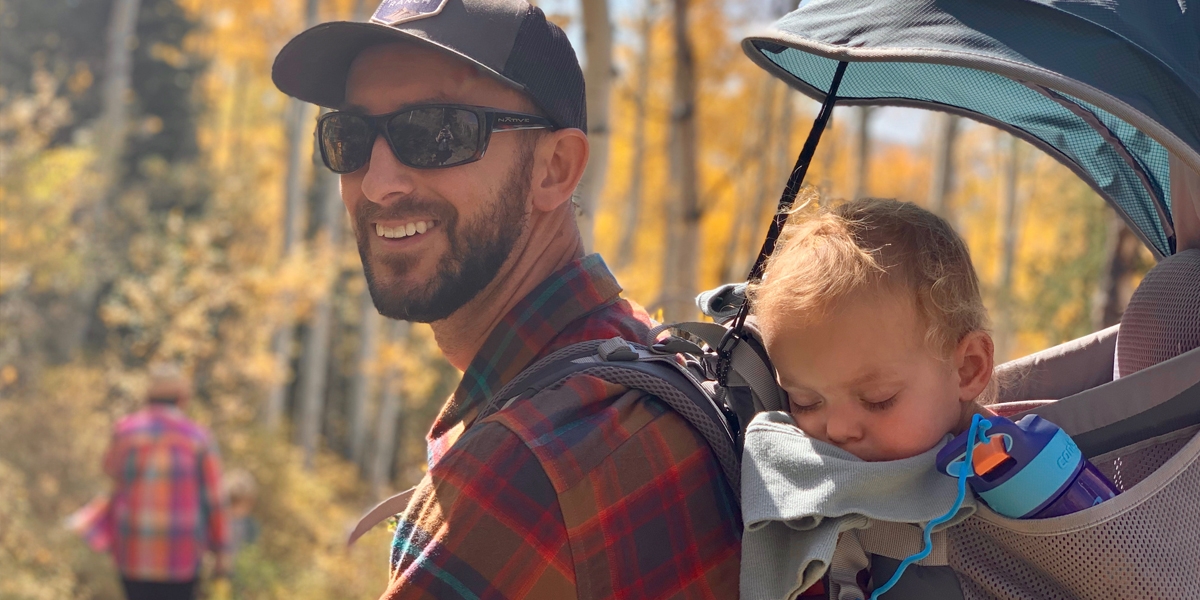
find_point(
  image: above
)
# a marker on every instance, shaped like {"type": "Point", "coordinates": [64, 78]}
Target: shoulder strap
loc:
{"type": "Point", "coordinates": [622, 363]}
{"type": "Point", "coordinates": [637, 367]}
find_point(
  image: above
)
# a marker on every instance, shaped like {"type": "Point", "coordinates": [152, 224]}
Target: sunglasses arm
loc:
{"type": "Point", "coordinates": [518, 122]}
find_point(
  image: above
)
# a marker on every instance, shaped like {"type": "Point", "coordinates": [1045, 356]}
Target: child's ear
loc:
{"type": "Point", "coordinates": [973, 363]}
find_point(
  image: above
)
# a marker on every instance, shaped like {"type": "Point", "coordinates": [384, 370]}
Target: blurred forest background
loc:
{"type": "Point", "coordinates": [159, 200]}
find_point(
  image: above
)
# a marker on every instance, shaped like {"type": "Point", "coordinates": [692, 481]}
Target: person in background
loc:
{"type": "Point", "coordinates": [242, 492]}
{"type": "Point", "coordinates": [167, 508]}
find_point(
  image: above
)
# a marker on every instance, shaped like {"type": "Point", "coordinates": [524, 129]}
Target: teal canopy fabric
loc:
{"type": "Point", "coordinates": [1107, 87]}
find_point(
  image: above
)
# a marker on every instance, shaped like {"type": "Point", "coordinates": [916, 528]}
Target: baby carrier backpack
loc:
{"type": "Point", "coordinates": [1111, 90]}
{"type": "Point", "coordinates": [1129, 396]}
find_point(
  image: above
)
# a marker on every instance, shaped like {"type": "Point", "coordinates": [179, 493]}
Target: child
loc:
{"type": "Point", "coordinates": [872, 317]}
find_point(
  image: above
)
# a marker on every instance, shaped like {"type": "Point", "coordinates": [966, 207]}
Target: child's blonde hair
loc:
{"type": "Point", "coordinates": [824, 256]}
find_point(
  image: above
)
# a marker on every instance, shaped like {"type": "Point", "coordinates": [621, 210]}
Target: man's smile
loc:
{"type": "Point", "coordinates": [403, 233]}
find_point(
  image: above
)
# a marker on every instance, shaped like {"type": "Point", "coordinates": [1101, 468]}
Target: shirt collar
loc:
{"type": "Point", "coordinates": [525, 333]}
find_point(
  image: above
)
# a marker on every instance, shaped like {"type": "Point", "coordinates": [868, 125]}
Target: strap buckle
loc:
{"type": "Point", "coordinates": [725, 354]}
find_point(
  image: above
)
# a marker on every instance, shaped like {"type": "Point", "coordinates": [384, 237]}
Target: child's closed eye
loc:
{"type": "Point", "coordinates": [803, 408]}
{"type": "Point", "coordinates": [881, 405]}
{"type": "Point", "coordinates": [803, 403]}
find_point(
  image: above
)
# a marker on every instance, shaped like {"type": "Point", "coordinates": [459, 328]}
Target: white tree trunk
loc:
{"type": "Point", "coordinates": [1009, 223]}
{"type": "Point", "coordinates": [633, 203]}
{"type": "Point", "coordinates": [118, 73]}
{"type": "Point", "coordinates": [681, 262]}
{"type": "Point", "coordinates": [361, 386]}
{"type": "Point", "coordinates": [1114, 290]}
{"type": "Point", "coordinates": [743, 243]}
{"type": "Point", "coordinates": [862, 163]}
{"type": "Point", "coordinates": [112, 130]}
{"type": "Point", "coordinates": [598, 75]}
{"type": "Point", "coordinates": [316, 356]}
{"type": "Point", "coordinates": [941, 185]}
{"type": "Point", "coordinates": [298, 122]}
{"type": "Point", "coordinates": [388, 421]}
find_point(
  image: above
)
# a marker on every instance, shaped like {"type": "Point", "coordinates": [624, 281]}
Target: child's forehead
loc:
{"type": "Point", "coordinates": [864, 343]}
{"type": "Point", "coordinates": [881, 306]}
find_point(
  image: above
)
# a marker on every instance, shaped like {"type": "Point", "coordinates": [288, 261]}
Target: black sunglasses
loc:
{"type": "Point", "coordinates": [429, 136]}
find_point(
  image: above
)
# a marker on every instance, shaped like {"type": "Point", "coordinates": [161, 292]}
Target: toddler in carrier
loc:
{"type": "Point", "coordinates": [872, 317]}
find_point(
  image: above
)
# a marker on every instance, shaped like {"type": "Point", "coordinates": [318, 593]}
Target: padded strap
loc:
{"type": "Point", "coordinates": [635, 367]}
{"type": "Point", "coordinates": [1151, 402]}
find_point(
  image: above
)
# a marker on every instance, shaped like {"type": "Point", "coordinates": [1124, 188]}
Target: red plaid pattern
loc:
{"type": "Point", "coordinates": [586, 491]}
{"type": "Point", "coordinates": [166, 507]}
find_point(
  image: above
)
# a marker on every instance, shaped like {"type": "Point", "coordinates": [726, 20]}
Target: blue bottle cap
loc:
{"type": "Point", "coordinates": [1044, 462]}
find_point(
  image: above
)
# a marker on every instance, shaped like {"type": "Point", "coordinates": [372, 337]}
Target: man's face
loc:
{"type": "Point", "coordinates": [461, 223]}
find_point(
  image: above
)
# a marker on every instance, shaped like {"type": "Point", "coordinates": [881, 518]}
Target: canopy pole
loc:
{"type": "Point", "coordinates": [798, 172]}
{"type": "Point", "coordinates": [790, 191]}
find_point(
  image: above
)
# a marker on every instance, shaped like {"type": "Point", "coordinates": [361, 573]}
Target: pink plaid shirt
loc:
{"type": "Point", "coordinates": [166, 504]}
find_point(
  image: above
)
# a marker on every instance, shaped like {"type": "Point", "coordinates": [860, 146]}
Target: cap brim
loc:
{"type": "Point", "coordinates": [313, 65]}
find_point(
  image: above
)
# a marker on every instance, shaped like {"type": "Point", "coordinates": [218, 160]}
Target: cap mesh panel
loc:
{"type": "Point", "coordinates": [543, 61]}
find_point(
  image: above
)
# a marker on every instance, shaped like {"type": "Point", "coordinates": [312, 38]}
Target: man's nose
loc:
{"type": "Point", "coordinates": [387, 179]}
{"type": "Point", "coordinates": [843, 427]}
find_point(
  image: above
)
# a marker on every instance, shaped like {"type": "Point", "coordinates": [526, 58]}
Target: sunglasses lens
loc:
{"type": "Point", "coordinates": [345, 141]}
{"type": "Point", "coordinates": [435, 137]}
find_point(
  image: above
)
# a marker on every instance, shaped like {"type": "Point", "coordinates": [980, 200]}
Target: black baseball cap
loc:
{"type": "Point", "coordinates": [510, 40]}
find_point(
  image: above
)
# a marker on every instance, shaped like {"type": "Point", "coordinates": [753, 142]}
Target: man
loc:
{"type": "Point", "coordinates": [585, 491]}
{"type": "Point", "coordinates": [166, 502]}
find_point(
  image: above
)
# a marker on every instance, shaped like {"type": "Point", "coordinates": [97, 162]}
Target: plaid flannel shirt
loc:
{"type": "Point", "coordinates": [586, 491]}
{"type": "Point", "coordinates": [166, 503]}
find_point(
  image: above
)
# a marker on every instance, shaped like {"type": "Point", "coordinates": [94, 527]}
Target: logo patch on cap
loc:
{"type": "Point", "coordinates": [395, 12]}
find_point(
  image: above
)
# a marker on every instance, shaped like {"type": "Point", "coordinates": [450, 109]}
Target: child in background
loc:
{"type": "Point", "coordinates": [242, 491]}
{"type": "Point", "coordinates": [872, 316]}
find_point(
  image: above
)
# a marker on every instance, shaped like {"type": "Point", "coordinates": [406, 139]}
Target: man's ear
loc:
{"type": "Point", "coordinates": [973, 361]}
{"type": "Point", "coordinates": [559, 162]}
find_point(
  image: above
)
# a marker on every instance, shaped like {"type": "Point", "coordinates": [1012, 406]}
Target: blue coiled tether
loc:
{"type": "Point", "coordinates": [978, 435]}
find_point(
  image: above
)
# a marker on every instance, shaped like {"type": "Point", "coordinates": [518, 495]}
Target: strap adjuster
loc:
{"type": "Point", "coordinates": [617, 349]}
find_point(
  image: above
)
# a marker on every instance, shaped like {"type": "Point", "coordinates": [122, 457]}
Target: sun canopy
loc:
{"type": "Point", "coordinates": [1110, 88]}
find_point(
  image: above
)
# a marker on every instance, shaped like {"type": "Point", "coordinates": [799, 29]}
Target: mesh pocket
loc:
{"type": "Point", "coordinates": [1143, 544]}
{"type": "Point", "coordinates": [1127, 467]}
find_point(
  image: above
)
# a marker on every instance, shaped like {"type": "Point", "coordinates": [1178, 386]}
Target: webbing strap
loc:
{"type": "Point", "coordinates": [790, 191]}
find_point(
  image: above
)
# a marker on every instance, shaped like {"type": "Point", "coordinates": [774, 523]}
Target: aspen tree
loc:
{"type": "Point", "coordinates": [684, 219]}
{"type": "Point", "coordinates": [598, 75]}
{"type": "Point", "coordinates": [298, 121]}
{"type": "Point", "coordinates": [637, 166]}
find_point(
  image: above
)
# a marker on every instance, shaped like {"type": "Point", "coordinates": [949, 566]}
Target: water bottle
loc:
{"type": "Point", "coordinates": [1030, 469]}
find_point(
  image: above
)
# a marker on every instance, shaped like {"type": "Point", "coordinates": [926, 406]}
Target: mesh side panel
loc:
{"type": "Point", "coordinates": [1162, 320]}
{"type": "Point", "coordinates": [1130, 469]}
{"type": "Point", "coordinates": [1150, 551]}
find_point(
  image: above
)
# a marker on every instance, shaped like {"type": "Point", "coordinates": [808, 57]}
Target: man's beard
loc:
{"type": "Point", "coordinates": [477, 251]}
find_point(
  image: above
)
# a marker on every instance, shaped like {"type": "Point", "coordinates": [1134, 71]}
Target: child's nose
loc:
{"type": "Point", "coordinates": [842, 429]}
